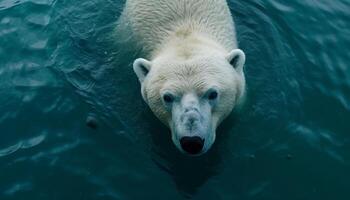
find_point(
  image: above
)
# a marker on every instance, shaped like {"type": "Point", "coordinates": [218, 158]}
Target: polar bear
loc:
{"type": "Point", "coordinates": [191, 71]}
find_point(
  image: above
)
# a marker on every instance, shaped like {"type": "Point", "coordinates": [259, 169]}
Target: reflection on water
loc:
{"type": "Point", "coordinates": [61, 64]}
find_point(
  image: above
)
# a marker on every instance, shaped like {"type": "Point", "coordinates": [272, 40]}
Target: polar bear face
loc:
{"type": "Point", "coordinates": [192, 96]}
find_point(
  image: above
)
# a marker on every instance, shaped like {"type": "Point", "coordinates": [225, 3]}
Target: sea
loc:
{"type": "Point", "coordinates": [73, 124]}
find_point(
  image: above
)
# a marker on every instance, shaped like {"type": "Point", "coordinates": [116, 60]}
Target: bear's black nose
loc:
{"type": "Point", "coordinates": [192, 145]}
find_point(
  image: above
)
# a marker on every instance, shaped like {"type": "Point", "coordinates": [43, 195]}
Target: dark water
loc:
{"type": "Point", "coordinates": [60, 63]}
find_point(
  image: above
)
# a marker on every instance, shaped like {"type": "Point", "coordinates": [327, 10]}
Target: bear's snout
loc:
{"type": "Point", "coordinates": [190, 119]}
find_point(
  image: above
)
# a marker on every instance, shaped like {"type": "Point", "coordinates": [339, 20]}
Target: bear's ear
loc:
{"type": "Point", "coordinates": [237, 59]}
{"type": "Point", "coordinates": [141, 68]}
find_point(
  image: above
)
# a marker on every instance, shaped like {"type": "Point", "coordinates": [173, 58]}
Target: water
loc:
{"type": "Point", "coordinates": [61, 64]}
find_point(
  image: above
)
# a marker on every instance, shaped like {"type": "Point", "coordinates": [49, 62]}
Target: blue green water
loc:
{"type": "Point", "coordinates": [61, 64]}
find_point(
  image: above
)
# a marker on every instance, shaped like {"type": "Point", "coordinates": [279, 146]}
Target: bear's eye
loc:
{"type": "Point", "coordinates": [168, 98]}
{"type": "Point", "coordinates": [213, 95]}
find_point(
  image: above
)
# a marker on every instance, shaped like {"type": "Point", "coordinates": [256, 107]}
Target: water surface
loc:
{"type": "Point", "coordinates": [61, 63]}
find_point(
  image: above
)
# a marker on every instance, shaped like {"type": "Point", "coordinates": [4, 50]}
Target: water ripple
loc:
{"type": "Point", "coordinates": [6, 4]}
{"type": "Point", "coordinates": [19, 187]}
{"type": "Point", "coordinates": [319, 139]}
{"type": "Point", "coordinates": [38, 19]}
{"type": "Point", "coordinates": [24, 144]}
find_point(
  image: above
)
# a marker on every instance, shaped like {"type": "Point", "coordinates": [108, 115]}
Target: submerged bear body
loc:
{"type": "Point", "coordinates": [153, 21]}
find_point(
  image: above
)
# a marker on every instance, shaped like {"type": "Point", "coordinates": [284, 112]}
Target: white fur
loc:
{"type": "Point", "coordinates": [189, 45]}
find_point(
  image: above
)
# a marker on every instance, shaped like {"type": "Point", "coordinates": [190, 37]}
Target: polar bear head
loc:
{"type": "Point", "coordinates": [192, 96]}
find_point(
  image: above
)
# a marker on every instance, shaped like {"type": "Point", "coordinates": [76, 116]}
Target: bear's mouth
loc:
{"type": "Point", "coordinates": [192, 145]}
